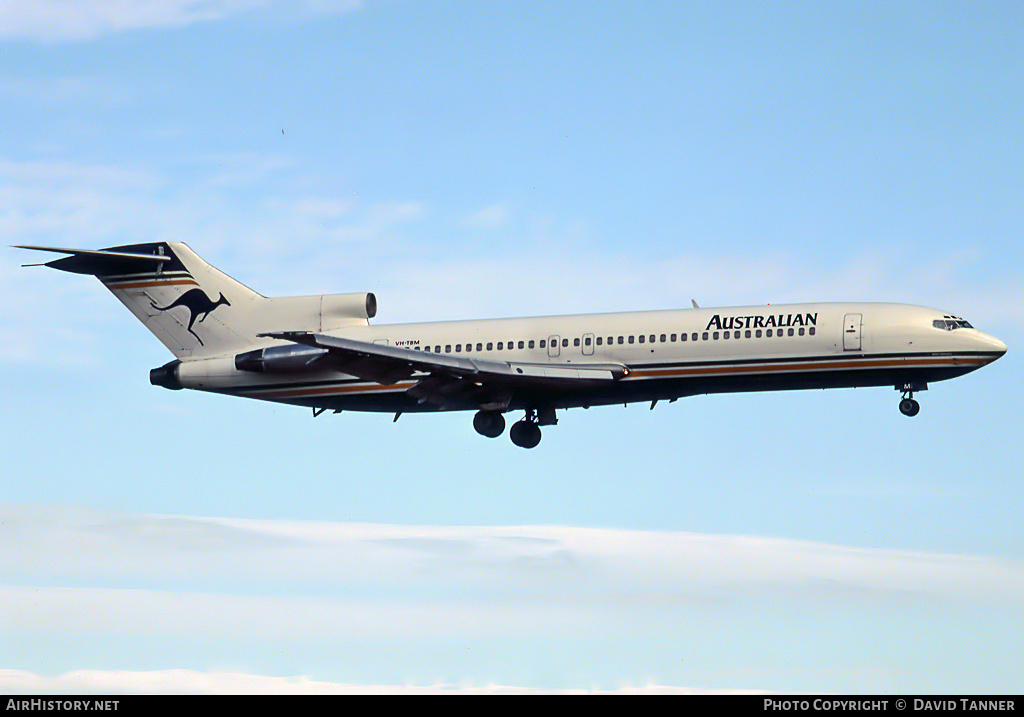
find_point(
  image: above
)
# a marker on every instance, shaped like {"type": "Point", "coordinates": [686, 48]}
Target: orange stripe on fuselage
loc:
{"type": "Point", "coordinates": [801, 366]}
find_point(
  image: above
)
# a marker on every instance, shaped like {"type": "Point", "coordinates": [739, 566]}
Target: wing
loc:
{"type": "Point", "coordinates": [444, 379]}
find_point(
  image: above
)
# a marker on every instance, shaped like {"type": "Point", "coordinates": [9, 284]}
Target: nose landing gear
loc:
{"type": "Point", "coordinates": [908, 406]}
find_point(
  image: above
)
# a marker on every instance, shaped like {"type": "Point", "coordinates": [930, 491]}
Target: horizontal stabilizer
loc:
{"type": "Point", "coordinates": [99, 262]}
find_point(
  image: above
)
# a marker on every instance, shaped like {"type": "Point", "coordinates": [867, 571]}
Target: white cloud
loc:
{"type": "Point", "coordinates": [231, 683]}
{"type": "Point", "coordinates": [491, 217]}
{"type": "Point", "coordinates": [64, 20]}
{"type": "Point", "coordinates": [256, 587]}
{"type": "Point", "coordinates": [76, 545]}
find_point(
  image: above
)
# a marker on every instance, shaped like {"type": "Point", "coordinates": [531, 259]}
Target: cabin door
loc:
{"type": "Point", "coordinates": [851, 332]}
{"type": "Point", "coordinates": [588, 344]}
{"type": "Point", "coordinates": [553, 346]}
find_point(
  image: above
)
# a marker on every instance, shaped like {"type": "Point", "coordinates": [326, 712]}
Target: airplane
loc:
{"type": "Point", "coordinates": [321, 352]}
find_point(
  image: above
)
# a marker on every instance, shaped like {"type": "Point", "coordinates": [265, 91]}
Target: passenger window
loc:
{"type": "Point", "coordinates": [768, 333]}
{"type": "Point", "coordinates": [715, 336]}
{"type": "Point", "coordinates": [694, 336]}
{"type": "Point", "coordinates": [501, 345]}
{"type": "Point", "coordinates": [448, 348]}
{"type": "Point", "coordinates": [586, 341]}
{"type": "Point", "coordinates": [620, 341]}
{"type": "Point", "coordinates": [437, 349]}
{"type": "Point", "coordinates": [682, 337]}
{"type": "Point", "coordinates": [469, 348]}
{"type": "Point", "coordinates": [565, 343]}
{"type": "Point", "coordinates": [652, 338]}
{"type": "Point", "coordinates": [543, 343]}
{"type": "Point", "coordinates": [458, 348]}
{"type": "Point", "coordinates": [630, 339]}
{"type": "Point", "coordinates": [576, 342]}
{"type": "Point", "coordinates": [490, 346]}
{"type": "Point", "coordinates": [757, 333]}
{"type": "Point", "coordinates": [641, 338]}
{"type": "Point", "coordinates": [725, 335]}
{"type": "Point", "coordinates": [811, 331]}
{"type": "Point", "coordinates": [599, 339]}
{"type": "Point", "coordinates": [705, 336]}
{"type": "Point", "coordinates": [801, 331]}
{"type": "Point", "coordinates": [747, 333]}
{"type": "Point", "coordinates": [479, 347]}
{"type": "Point", "coordinates": [521, 344]}
{"type": "Point", "coordinates": [673, 338]}
{"type": "Point", "coordinates": [791, 332]}
{"type": "Point", "coordinates": [531, 343]}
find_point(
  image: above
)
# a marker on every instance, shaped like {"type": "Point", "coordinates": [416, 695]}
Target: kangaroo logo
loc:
{"type": "Point", "coordinates": [197, 302]}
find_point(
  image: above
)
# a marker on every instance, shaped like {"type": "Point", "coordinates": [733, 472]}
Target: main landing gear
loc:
{"type": "Point", "coordinates": [908, 406]}
{"type": "Point", "coordinates": [524, 433]}
{"type": "Point", "coordinates": [489, 423]}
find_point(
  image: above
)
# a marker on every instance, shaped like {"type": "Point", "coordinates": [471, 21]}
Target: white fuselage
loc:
{"type": "Point", "coordinates": [667, 354]}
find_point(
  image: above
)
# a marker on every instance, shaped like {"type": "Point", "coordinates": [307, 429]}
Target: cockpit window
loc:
{"type": "Point", "coordinates": [951, 323]}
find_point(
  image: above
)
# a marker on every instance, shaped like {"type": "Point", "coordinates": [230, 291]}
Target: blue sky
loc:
{"type": "Point", "coordinates": [467, 160]}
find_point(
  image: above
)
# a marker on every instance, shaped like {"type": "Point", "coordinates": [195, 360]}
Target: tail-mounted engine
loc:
{"type": "Point", "coordinates": [280, 359]}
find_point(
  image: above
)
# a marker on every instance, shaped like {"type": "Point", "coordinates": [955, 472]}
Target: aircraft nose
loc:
{"type": "Point", "coordinates": [992, 344]}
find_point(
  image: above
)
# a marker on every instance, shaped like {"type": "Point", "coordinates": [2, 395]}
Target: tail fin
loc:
{"type": "Point", "coordinates": [193, 308]}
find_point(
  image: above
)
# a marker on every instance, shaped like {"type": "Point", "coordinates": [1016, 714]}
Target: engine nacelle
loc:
{"type": "Point", "coordinates": [166, 376]}
{"type": "Point", "coordinates": [325, 312]}
{"type": "Point", "coordinates": [340, 308]}
{"type": "Point", "coordinates": [279, 359]}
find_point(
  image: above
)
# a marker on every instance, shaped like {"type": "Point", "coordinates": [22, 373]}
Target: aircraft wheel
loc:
{"type": "Point", "coordinates": [909, 407]}
{"type": "Point", "coordinates": [525, 434]}
{"type": "Point", "coordinates": [489, 423]}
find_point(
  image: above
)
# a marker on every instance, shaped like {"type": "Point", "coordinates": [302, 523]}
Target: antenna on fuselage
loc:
{"type": "Point", "coordinates": [694, 302]}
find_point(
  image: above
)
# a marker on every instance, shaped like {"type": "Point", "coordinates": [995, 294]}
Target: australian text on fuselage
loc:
{"type": "Point", "coordinates": [761, 322]}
